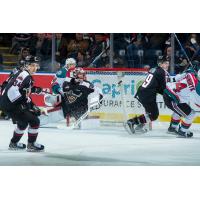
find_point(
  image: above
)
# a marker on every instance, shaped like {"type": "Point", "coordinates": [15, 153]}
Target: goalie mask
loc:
{"type": "Point", "coordinates": [70, 63]}
{"type": "Point", "coordinates": [79, 73]}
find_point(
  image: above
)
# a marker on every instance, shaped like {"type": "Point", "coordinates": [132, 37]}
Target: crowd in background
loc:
{"type": "Point", "coordinates": [132, 50]}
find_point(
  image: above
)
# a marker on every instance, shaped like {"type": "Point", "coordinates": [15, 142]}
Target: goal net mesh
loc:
{"type": "Point", "coordinates": [119, 87]}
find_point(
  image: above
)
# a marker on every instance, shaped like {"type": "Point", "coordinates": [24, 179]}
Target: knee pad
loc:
{"type": "Point", "coordinates": [22, 125]}
{"type": "Point", "coordinates": [35, 122]}
{"type": "Point", "coordinates": [153, 116]}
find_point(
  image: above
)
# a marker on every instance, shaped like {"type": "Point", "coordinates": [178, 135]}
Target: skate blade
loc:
{"type": "Point", "coordinates": [15, 149]}
{"type": "Point", "coordinates": [126, 127]}
{"type": "Point", "coordinates": [141, 131]}
{"type": "Point", "coordinates": [171, 133]}
{"type": "Point", "coordinates": [33, 150]}
{"type": "Point", "coordinates": [181, 136]}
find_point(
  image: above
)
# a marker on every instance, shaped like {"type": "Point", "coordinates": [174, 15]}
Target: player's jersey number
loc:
{"type": "Point", "coordinates": [147, 80]}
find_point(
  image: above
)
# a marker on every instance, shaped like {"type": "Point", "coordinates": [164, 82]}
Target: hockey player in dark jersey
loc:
{"type": "Point", "coordinates": [76, 91]}
{"type": "Point", "coordinates": [15, 102]}
{"type": "Point", "coordinates": [20, 67]}
{"type": "Point", "coordinates": [78, 99]}
{"type": "Point", "coordinates": [154, 84]}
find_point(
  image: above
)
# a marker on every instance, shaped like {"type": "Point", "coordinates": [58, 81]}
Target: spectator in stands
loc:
{"type": "Point", "coordinates": [179, 61]}
{"type": "Point", "coordinates": [192, 45]}
{"type": "Point", "coordinates": [120, 42]}
{"type": "Point", "coordinates": [77, 44]}
{"type": "Point", "coordinates": [37, 44]}
{"type": "Point", "coordinates": [19, 41]}
{"type": "Point", "coordinates": [45, 52]}
{"type": "Point", "coordinates": [82, 59]}
{"type": "Point", "coordinates": [46, 48]}
{"type": "Point", "coordinates": [132, 51]}
{"type": "Point", "coordinates": [154, 45]}
{"type": "Point", "coordinates": [24, 52]}
{"type": "Point", "coordinates": [99, 45]}
{"type": "Point", "coordinates": [61, 48]}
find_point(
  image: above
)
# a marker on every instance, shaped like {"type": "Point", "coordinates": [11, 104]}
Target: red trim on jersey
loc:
{"type": "Point", "coordinates": [180, 86]}
{"type": "Point", "coordinates": [34, 127]}
{"type": "Point", "coordinates": [176, 120]}
{"type": "Point", "coordinates": [192, 81]}
{"type": "Point", "coordinates": [69, 71]}
{"type": "Point", "coordinates": [185, 124]}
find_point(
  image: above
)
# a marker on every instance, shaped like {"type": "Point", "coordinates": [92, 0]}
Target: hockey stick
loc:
{"type": "Point", "coordinates": [99, 56]}
{"type": "Point", "coordinates": [193, 56]}
{"type": "Point", "coordinates": [179, 43]}
{"type": "Point", "coordinates": [93, 106]}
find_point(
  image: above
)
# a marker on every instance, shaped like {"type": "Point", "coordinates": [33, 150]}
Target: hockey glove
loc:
{"type": "Point", "coordinates": [75, 81]}
{"type": "Point", "coordinates": [36, 90]}
{"type": "Point", "coordinates": [35, 110]}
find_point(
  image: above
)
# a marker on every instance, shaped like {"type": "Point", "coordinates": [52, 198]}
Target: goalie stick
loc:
{"type": "Point", "coordinates": [56, 114]}
{"type": "Point", "coordinates": [95, 104]}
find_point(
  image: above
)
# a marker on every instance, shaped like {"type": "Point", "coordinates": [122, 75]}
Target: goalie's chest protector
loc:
{"type": "Point", "coordinates": [76, 93]}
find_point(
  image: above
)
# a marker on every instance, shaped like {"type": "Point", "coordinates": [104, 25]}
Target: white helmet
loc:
{"type": "Point", "coordinates": [70, 62]}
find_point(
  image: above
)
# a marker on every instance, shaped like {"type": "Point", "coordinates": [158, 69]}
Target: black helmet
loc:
{"type": "Point", "coordinates": [162, 59]}
{"type": "Point", "coordinates": [21, 64]}
{"type": "Point", "coordinates": [31, 59]}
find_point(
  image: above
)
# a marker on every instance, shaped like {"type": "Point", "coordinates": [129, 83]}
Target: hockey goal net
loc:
{"type": "Point", "coordinates": [119, 87]}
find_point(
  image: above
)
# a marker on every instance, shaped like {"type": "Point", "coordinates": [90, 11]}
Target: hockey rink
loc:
{"type": "Point", "coordinates": [103, 146]}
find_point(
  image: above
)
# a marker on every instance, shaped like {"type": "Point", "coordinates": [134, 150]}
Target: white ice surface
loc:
{"type": "Point", "coordinates": [107, 146]}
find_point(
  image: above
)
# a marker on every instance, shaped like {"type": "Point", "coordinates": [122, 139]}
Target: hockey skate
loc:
{"type": "Point", "coordinates": [172, 130]}
{"type": "Point", "coordinates": [129, 126]}
{"type": "Point", "coordinates": [77, 127]}
{"type": "Point", "coordinates": [183, 134]}
{"type": "Point", "coordinates": [16, 146]}
{"type": "Point", "coordinates": [141, 128]}
{"type": "Point", "coordinates": [34, 147]}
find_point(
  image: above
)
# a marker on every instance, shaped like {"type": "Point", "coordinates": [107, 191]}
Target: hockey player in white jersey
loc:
{"type": "Point", "coordinates": [61, 74]}
{"type": "Point", "coordinates": [179, 96]}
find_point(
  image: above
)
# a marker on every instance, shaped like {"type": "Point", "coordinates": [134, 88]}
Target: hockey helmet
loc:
{"type": "Point", "coordinates": [30, 60]}
{"type": "Point", "coordinates": [79, 73]}
{"type": "Point", "coordinates": [70, 62]}
{"type": "Point", "coordinates": [162, 59]}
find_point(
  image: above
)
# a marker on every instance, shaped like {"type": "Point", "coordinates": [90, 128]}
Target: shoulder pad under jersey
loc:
{"type": "Point", "coordinates": [198, 88]}
{"type": "Point", "coordinates": [61, 73]}
{"type": "Point", "coordinates": [152, 70]}
{"type": "Point", "coordinates": [190, 70]}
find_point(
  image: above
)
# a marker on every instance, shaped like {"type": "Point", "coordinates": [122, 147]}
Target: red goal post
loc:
{"type": "Point", "coordinates": [119, 103]}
